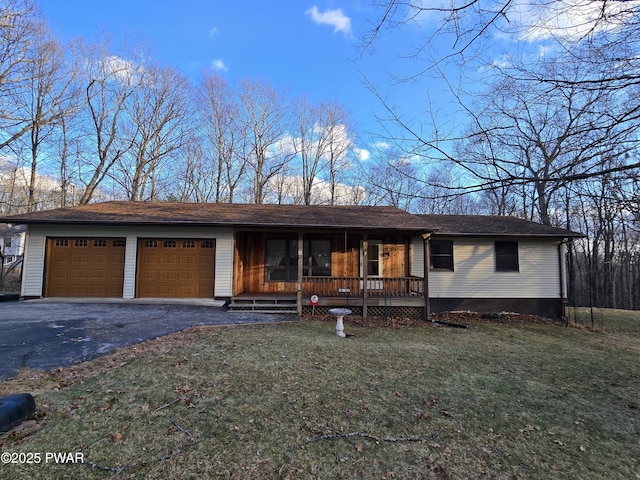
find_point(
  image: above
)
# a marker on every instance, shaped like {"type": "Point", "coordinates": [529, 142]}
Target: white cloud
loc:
{"type": "Point", "coordinates": [382, 145]}
{"type": "Point", "coordinates": [120, 68]}
{"type": "Point", "coordinates": [571, 19]}
{"type": "Point", "coordinates": [218, 65]}
{"type": "Point", "coordinates": [336, 135]}
{"type": "Point", "coordinates": [213, 31]}
{"type": "Point", "coordinates": [287, 145]}
{"type": "Point", "coordinates": [362, 154]}
{"type": "Point", "coordinates": [291, 190]}
{"type": "Point", "coordinates": [533, 20]}
{"type": "Point", "coordinates": [335, 18]}
{"type": "Point", "coordinates": [546, 50]}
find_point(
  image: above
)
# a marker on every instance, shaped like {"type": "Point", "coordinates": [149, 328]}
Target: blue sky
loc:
{"type": "Point", "coordinates": [310, 47]}
{"type": "Point", "coordinates": [306, 47]}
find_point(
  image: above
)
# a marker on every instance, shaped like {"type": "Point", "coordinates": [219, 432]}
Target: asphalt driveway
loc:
{"type": "Point", "coordinates": [45, 335]}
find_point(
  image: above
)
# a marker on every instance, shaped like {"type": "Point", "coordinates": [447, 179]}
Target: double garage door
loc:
{"type": "Point", "coordinates": [94, 267]}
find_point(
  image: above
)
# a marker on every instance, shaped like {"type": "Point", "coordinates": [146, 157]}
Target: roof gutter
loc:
{"type": "Point", "coordinates": [417, 231]}
{"type": "Point", "coordinates": [512, 235]}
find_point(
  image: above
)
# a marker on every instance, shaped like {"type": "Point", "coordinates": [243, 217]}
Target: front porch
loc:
{"type": "Point", "coordinates": [367, 272]}
{"type": "Point", "coordinates": [366, 296]}
{"type": "Point", "coordinates": [382, 297]}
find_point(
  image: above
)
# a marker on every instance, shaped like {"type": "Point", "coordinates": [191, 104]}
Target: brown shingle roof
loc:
{"type": "Point", "coordinates": [490, 225]}
{"type": "Point", "coordinates": [224, 214]}
{"type": "Point", "coordinates": [292, 216]}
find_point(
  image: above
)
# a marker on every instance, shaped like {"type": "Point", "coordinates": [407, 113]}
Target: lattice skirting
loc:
{"type": "Point", "coordinates": [414, 313]}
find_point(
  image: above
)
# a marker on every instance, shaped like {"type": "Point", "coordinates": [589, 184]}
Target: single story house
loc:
{"type": "Point", "coordinates": [374, 260]}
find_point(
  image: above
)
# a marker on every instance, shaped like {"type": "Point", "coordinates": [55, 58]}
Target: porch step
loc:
{"type": "Point", "coordinates": [264, 304]}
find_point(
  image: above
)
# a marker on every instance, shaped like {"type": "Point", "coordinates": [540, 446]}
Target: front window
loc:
{"type": "Point", "coordinates": [317, 258]}
{"type": "Point", "coordinates": [507, 257]}
{"type": "Point", "coordinates": [441, 254]}
{"type": "Point", "coordinates": [281, 259]}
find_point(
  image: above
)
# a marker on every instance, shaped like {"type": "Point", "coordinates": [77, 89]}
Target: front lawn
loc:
{"type": "Point", "coordinates": [294, 401]}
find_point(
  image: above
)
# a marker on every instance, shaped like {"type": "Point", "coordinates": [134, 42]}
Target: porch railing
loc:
{"type": "Point", "coordinates": [353, 286]}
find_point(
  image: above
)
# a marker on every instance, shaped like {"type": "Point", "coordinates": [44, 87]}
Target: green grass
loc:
{"type": "Point", "coordinates": [293, 401]}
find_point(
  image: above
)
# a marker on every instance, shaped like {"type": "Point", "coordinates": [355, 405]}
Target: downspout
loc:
{"type": "Point", "coordinates": [27, 237]}
{"type": "Point", "coordinates": [425, 286]}
{"type": "Point", "coordinates": [561, 265]}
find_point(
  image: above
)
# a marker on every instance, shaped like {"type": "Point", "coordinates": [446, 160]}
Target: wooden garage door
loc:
{"type": "Point", "coordinates": [175, 268]}
{"type": "Point", "coordinates": [85, 267]}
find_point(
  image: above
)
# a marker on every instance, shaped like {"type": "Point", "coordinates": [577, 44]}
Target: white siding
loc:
{"type": "Point", "coordinates": [33, 269]}
{"type": "Point", "coordinates": [33, 263]}
{"type": "Point", "coordinates": [130, 264]}
{"type": "Point", "coordinates": [224, 265]}
{"type": "Point", "coordinates": [474, 274]}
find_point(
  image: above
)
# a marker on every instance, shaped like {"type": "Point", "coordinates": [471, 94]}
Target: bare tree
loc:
{"type": "Point", "coordinates": [191, 179]}
{"type": "Point", "coordinates": [310, 142]}
{"type": "Point", "coordinates": [69, 143]}
{"type": "Point", "coordinates": [225, 164]}
{"type": "Point", "coordinates": [52, 95]}
{"type": "Point", "coordinates": [37, 83]}
{"type": "Point", "coordinates": [263, 119]}
{"type": "Point", "coordinates": [460, 30]}
{"type": "Point", "coordinates": [548, 138]}
{"type": "Point", "coordinates": [157, 123]}
{"type": "Point", "coordinates": [340, 144]}
{"type": "Point", "coordinates": [323, 142]}
{"type": "Point", "coordinates": [110, 81]}
{"type": "Point", "coordinates": [595, 45]}
{"type": "Point", "coordinates": [19, 29]}
{"type": "Point", "coordinates": [440, 193]}
{"type": "Point", "coordinates": [391, 180]}
{"type": "Point", "coordinates": [11, 198]}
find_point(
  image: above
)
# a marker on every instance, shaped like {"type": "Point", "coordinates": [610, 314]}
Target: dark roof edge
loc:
{"type": "Point", "coordinates": [512, 235]}
{"type": "Point", "coordinates": [219, 224]}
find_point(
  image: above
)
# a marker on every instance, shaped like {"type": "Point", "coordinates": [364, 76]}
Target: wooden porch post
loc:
{"type": "Point", "coordinates": [425, 286]}
{"type": "Point", "coordinates": [365, 274]}
{"type": "Point", "coordinates": [300, 271]}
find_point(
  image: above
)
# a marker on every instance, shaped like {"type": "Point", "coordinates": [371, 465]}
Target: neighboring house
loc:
{"type": "Point", "coordinates": [12, 240]}
{"type": "Point", "coordinates": [275, 257]}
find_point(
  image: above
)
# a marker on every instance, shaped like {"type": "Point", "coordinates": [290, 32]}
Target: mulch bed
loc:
{"type": "Point", "coordinates": [498, 317]}
{"type": "Point", "coordinates": [462, 319]}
